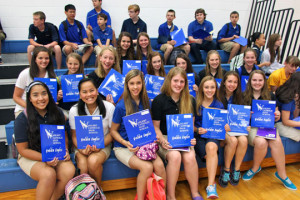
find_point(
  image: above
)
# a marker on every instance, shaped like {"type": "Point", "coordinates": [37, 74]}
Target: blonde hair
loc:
{"type": "Point", "coordinates": [150, 69]}
{"type": "Point", "coordinates": [200, 95]}
{"type": "Point", "coordinates": [116, 66]}
{"type": "Point", "coordinates": [139, 53]}
{"type": "Point", "coordinates": [185, 105]}
{"type": "Point", "coordinates": [127, 96]}
{"type": "Point", "coordinates": [79, 59]}
{"type": "Point", "coordinates": [207, 67]}
{"type": "Point", "coordinates": [135, 7]}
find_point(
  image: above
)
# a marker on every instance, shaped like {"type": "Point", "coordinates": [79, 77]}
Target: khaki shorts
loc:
{"type": "Point", "coordinates": [162, 152]}
{"type": "Point", "coordinates": [123, 155]}
{"type": "Point", "coordinates": [227, 46]}
{"type": "Point", "coordinates": [17, 113]}
{"type": "Point", "coordinates": [252, 135]}
{"type": "Point", "coordinates": [106, 150]}
{"type": "Point", "coordinates": [79, 51]}
{"type": "Point", "coordinates": [2, 36]}
{"type": "Point", "coordinates": [289, 132]}
{"type": "Point", "coordinates": [26, 164]}
{"type": "Point", "coordinates": [98, 49]}
{"type": "Point", "coordinates": [165, 46]}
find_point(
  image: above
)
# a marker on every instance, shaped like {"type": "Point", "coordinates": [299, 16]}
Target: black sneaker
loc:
{"type": "Point", "coordinates": [224, 178]}
{"type": "Point", "coordinates": [235, 177]}
{"type": "Point", "coordinates": [1, 61]}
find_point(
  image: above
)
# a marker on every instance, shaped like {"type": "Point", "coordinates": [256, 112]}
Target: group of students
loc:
{"type": "Point", "coordinates": [40, 108]}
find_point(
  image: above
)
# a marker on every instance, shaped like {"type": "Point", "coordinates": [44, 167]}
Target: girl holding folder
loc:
{"type": "Point", "coordinates": [135, 99]}
{"type": "Point", "coordinates": [175, 99]}
{"type": "Point", "coordinates": [52, 176]}
{"type": "Point", "coordinates": [207, 149]}
{"type": "Point", "coordinates": [91, 159]}
{"type": "Point", "coordinates": [230, 93]}
{"type": "Point", "coordinates": [257, 89]}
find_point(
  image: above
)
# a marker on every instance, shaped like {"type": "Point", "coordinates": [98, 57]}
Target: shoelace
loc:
{"type": "Point", "coordinates": [236, 175]}
{"type": "Point", "coordinates": [288, 181]}
{"type": "Point", "coordinates": [226, 177]}
{"type": "Point", "coordinates": [211, 188]}
{"type": "Point", "coordinates": [249, 173]}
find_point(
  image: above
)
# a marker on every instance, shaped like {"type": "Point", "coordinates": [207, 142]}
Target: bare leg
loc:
{"type": "Point", "coordinates": [159, 168]}
{"type": "Point", "coordinates": [211, 161]}
{"type": "Point", "coordinates": [235, 48]}
{"type": "Point", "coordinates": [30, 49]}
{"type": "Point", "coordinates": [114, 40]}
{"type": "Point", "coordinates": [191, 171]}
{"type": "Point", "coordinates": [240, 151]}
{"type": "Point", "coordinates": [229, 150]}
{"type": "Point", "coordinates": [57, 52]}
{"type": "Point", "coordinates": [87, 54]}
{"type": "Point", "coordinates": [167, 53]}
{"type": "Point", "coordinates": [95, 162]}
{"type": "Point", "coordinates": [89, 34]}
{"type": "Point", "coordinates": [278, 155]}
{"type": "Point", "coordinates": [187, 49]}
{"type": "Point", "coordinates": [173, 168]}
{"type": "Point", "coordinates": [81, 161]}
{"type": "Point", "coordinates": [68, 49]}
{"type": "Point", "coordinates": [260, 151]}
{"type": "Point", "coordinates": [146, 169]}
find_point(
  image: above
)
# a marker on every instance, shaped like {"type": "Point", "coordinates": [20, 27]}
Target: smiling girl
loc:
{"type": "Point", "coordinates": [125, 48]}
{"type": "Point", "coordinates": [52, 176]}
{"type": "Point", "coordinates": [91, 159]}
{"type": "Point", "coordinates": [257, 89]}
{"type": "Point", "coordinates": [41, 66]}
{"type": "Point", "coordinates": [213, 66]}
{"type": "Point", "coordinates": [135, 99]}
{"type": "Point", "coordinates": [249, 63]}
{"type": "Point", "coordinates": [155, 64]}
{"type": "Point", "coordinates": [143, 47]}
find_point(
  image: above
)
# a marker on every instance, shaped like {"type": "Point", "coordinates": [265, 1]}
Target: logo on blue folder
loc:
{"type": "Point", "coordinates": [84, 125]}
{"type": "Point", "coordinates": [175, 122]}
{"type": "Point", "coordinates": [259, 107]}
{"type": "Point", "coordinates": [211, 116]}
{"type": "Point", "coordinates": [133, 123]}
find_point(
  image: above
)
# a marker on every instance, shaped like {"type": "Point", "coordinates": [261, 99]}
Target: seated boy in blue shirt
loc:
{"type": "Point", "coordinates": [229, 32]}
{"type": "Point", "coordinates": [165, 43]}
{"type": "Point", "coordinates": [198, 44]}
{"type": "Point", "coordinates": [102, 34]}
{"type": "Point", "coordinates": [72, 33]}
{"type": "Point", "coordinates": [134, 25]}
{"type": "Point", "coordinates": [91, 20]}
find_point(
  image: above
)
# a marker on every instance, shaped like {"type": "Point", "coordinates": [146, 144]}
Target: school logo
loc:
{"type": "Point", "coordinates": [133, 123]}
{"type": "Point", "coordinates": [150, 80]}
{"type": "Point", "coordinates": [113, 93]}
{"type": "Point", "coordinates": [68, 81]}
{"type": "Point", "coordinates": [246, 81]}
{"type": "Point", "coordinates": [235, 111]}
{"type": "Point", "coordinates": [130, 66]}
{"type": "Point", "coordinates": [49, 134]}
{"type": "Point", "coordinates": [259, 107]}
{"type": "Point", "coordinates": [112, 78]}
{"type": "Point", "coordinates": [211, 116]}
{"type": "Point", "coordinates": [218, 84]}
{"type": "Point", "coordinates": [84, 125]}
{"type": "Point", "coordinates": [176, 122]}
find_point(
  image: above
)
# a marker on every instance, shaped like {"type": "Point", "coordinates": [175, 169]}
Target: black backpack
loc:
{"type": "Point", "coordinates": [78, 25]}
{"type": "Point", "coordinates": [227, 30]}
{"type": "Point", "coordinates": [175, 52]}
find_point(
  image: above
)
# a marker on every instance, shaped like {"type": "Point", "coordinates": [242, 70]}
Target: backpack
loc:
{"type": "Point", "coordinates": [227, 30]}
{"type": "Point", "coordinates": [155, 188]}
{"type": "Point", "coordinates": [83, 187]}
{"type": "Point", "coordinates": [175, 52]}
{"type": "Point", "coordinates": [78, 25]}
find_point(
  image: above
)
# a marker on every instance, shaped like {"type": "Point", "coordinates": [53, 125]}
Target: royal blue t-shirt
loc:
{"type": "Point", "coordinates": [102, 35]}
{"type": "Point", "coordinates": [164, 31]}
{"type": "Point", "coordinates": [195, 25]}
{"type": "Point", "coordinates": [291, 106]}
{"type": "Point", "coordinates": [73, 33]}
{"type": "Point", "coordinates": [232, 31]}
{"type": "Point", "coordinates": [214, 104]}
{"type": "Point", "coordinates": [120, 112]}
{"type": "Point", "coordinates": [91, 18]}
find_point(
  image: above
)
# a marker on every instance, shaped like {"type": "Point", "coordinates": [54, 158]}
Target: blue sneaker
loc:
{"type": "Point", "coordinates": [249, 174]}
{"type": "Point", "coordinates": [286, 182]}
{"type": "Point", "coordinates": [224, 178]}
{"type": "Point", "coordinates": [235, 177]}
{"type": "Point", "coordinates": [211, 191]}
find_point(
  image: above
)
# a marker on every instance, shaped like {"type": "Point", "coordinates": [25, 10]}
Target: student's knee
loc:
{"type": "Point", "coordinates": [211, 148]}
{"type": "Point", "coordinates": [169, 48]}
{"type": "Point", "coordinates": [89, 50]}
{"type": "Point", "coordinates": [67, 171]}
{"type": "Point", "coordinates": [57, 49]}
{"type": "Point", "coordinates": [48, 174]}
{"type": "Point", "coordinates": [236, 46]}
{"type": "Point", "coordinates": [68, 49]}
{"type": "Point", "coordinates": [88, 32]}
{"type": "Point", "coordinates": [232, 141]}
{"type": "Point", "coordinates": [95, 162]}
{"type": "Point", "coordinates": [187, 48]}
{"type": "Point", "coordinates": [174, 158]}
{"type": "Point", "coordinates": [243, 141]}
{"type": "Point", "coordinates": [147, 168]}
{"type": "Point", "coordinates": [189, 158]}
{"type": "Point", "coordinates": [30, 48]}
{"type": "Point", "coordinates": [260, 143]}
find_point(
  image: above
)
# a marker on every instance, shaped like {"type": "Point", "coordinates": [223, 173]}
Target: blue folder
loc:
{"type": "Point", "coordinates": [179, 37]}
{"type": "Point", "coordinates": [52, 85]}
{"type": "Point", "coordinates": [200, 34]}
{"type": "Point", "coordinates": [69, 85]}
{"type": "Point", "coordinates": [130, 65]}
{"type": "Point", "coordinates": [241, 40]}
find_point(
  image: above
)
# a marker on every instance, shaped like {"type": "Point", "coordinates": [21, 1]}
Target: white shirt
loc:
{"type": "Point", "coordinates": [110, 108]}
{"type": "Point", "coordinates": [266, 57]}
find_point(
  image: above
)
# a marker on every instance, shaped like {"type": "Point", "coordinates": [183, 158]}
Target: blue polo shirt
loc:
{"type": "Point", "coordinates": [119, 113]}
{"type": "Point", "coordinates": [91, 18]}
{"type": "Point", "coordinates": [287, 107]}
{"type": "Point", "coordinates": [102, 35]}
{"type": "Point", "coordinates": [164, 31]}
{"type": "Point", "coordinates": [134, 28]}
{"type": "Point", "coordinates": [214, 104]}
{"type": "Point", "coordinates": [73, 33]}
{"type": "Point", "coordinates": [232, 31]}
{"type": "Point", "coordinates": [195, 25]}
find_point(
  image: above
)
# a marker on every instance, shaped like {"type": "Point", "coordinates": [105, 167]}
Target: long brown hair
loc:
{"type": "Point", "coordinates": [189, 68]}
{"type": "Point", "coordinates": [248, 94]}
{"type": "Point", "coordinates": [79, 59]}
{"type": "Point", "coordinates": [200, 95]}
{"type": "Point", "coordinates": [130, 51]}
{"type": "Point", "coordinates": [99, 70]}
{"type": "Point", "coordinates": [207, 67]}
{"type": "Point", "coordinates": [271, 44]}
{"type": "Point", "coordinates": [139, 53]}
{"type": "Point", "coordinates": [237, 93]}
{"type": "Point", "coordinates": [130, 109]}
{"type": "Point", "coordinates": [185, 105]}
{"type": "Point", "coordinates": [150, 69]}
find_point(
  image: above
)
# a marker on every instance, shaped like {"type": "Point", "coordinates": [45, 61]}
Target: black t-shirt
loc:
{"type": "Point", "coordinates": [164, 105]}
{"type": "Point", "coordinates": [46, 37]}
{"type": "Point", "coordinates": [202, 74]}
{"type": "Point", "coordinates": [97, 81]}
{"type": "Point", "coordinates": [21, 125]}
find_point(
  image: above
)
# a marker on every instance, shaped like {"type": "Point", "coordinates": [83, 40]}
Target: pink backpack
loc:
{"type": "Point", "coordinates": [83, 187]}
